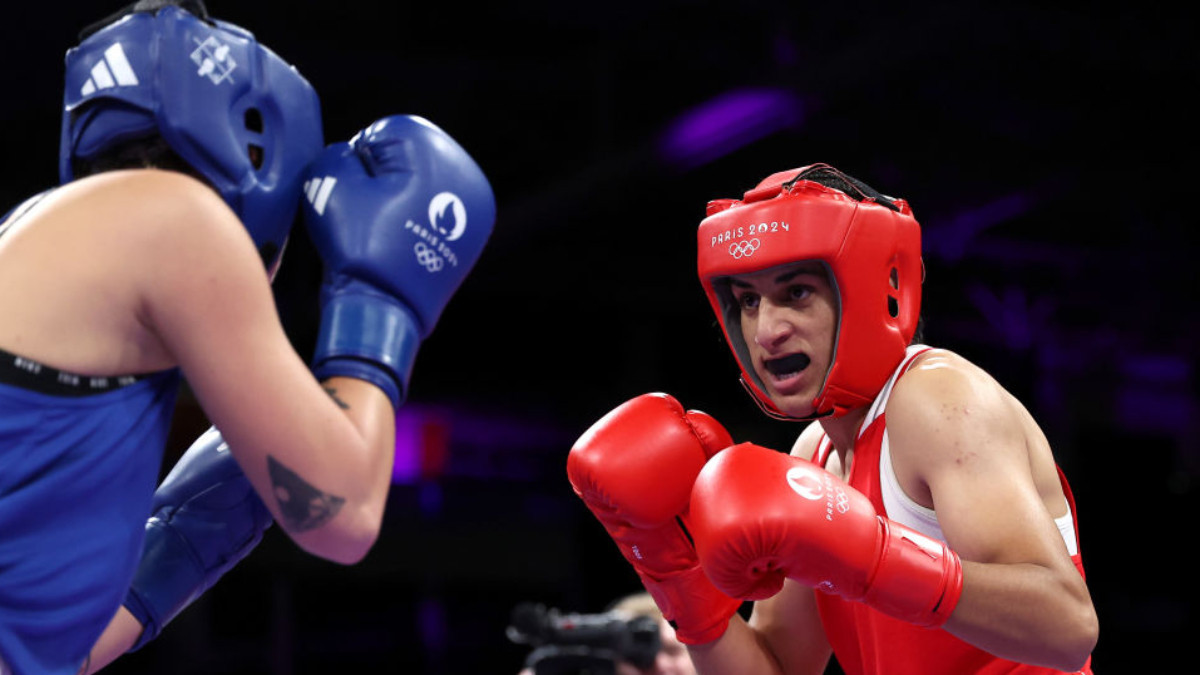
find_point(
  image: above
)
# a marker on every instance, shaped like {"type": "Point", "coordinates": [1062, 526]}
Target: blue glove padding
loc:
{"type": "Point", "coordinates": [399, 215]}
{"type": "Point", "coordinates": [206, 517]}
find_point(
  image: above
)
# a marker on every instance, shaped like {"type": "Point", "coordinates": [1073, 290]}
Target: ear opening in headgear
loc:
{"type": "Point", "coordinates": [253, 122]}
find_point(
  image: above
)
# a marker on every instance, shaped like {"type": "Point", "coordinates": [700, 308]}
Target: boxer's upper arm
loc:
{"type": "Point", "coordinates": [208, 298]}
{"type": "Point", "coordinates": [952, 428]}
{"type": "Point", "coordinates": [958, 432]}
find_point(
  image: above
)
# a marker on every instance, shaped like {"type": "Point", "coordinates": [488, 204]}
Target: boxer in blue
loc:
{"type": "Point", "coordinates": [186, 149]}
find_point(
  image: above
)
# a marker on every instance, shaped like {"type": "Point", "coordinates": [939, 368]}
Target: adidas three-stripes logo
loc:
{"type": "Point", "coordinates": [113, 71]}
{"type": "Point", "coordinates": [317, 191]}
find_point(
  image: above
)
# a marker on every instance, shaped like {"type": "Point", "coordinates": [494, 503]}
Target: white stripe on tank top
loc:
{"type": "Point", "coordinates": [898, 505]}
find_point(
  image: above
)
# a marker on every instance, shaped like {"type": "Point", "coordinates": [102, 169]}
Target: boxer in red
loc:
{"type": "Point", "coordinates": [920, 523]}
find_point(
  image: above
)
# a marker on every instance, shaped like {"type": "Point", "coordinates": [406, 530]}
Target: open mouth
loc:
{"type": "Point", "coordinates": [788, 366]}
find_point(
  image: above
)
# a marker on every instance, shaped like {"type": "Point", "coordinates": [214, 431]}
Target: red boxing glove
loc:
{"type": "Point", "coordinates": [758, 516]}
{"type": "Point", "coordinates": [634, 469]}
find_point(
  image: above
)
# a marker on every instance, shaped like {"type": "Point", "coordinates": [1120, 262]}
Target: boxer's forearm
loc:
{"type": "Point", "coordinates": [116, 639]}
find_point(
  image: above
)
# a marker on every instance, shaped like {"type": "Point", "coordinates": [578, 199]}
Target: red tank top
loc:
{"type": "Point", "coordinates": [867, 642]}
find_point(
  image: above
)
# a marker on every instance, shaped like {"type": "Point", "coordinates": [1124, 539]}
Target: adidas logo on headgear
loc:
{"type": "Point", "coordinates": [113, 71]}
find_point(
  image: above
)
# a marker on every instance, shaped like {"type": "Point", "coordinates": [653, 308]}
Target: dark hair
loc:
{"type": "Point", "coordinates": [919, 334]}
{"type": "Point", "coordinates": [853, 187]}
{"type": "Point", "coordinates": [141, 153]}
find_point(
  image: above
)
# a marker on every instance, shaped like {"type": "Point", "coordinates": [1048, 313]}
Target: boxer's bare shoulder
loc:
{"type": "Point", "coordinates": [112, 240]}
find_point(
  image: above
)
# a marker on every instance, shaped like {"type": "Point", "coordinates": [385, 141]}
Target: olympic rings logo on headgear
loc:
{"type": "Point", "coordinates": [428, 258]}
{"type": "Point", "coordinates": [744, 249]}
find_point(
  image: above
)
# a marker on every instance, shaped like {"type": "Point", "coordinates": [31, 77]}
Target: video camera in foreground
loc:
{"type": "Point", "coordinates": [579, 644]}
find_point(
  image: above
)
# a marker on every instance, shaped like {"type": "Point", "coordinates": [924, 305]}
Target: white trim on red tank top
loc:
{"type": "Point", "coordinates": [898, 506]}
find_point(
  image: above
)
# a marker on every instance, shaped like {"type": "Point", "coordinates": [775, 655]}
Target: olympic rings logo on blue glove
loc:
{"type": "Point", "coordinates": [428, 258]}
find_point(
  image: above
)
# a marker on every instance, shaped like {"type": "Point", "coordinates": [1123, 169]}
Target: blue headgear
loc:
{"type": "Point", "coordinates": [231, 108]}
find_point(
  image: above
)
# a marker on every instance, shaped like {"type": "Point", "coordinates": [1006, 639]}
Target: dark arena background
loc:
{"type": "Point", "coordinates": [1048, 152]}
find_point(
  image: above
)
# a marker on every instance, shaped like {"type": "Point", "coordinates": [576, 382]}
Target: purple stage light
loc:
{"type": "Point", "coordinates": [422, 443]}
{"type": "Point", "coordinates": [1155, 393]}
{"type": "Point", "coordinates": [728, 122]}
{"type": "Point", "coordinates": [1014, 316]}
{"type": "Point", "coordinates": [435, 442]}
{"type": "Point", "coordinates": [433, 625]}
{"type": "Point", "coordinates": [1150, 409]}
{"type": "Point", "coordinates": [949, 241]}
{"type": "Point", "coordinates": [1158, 369]}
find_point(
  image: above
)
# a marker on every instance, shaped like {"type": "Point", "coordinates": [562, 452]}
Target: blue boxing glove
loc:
{"type": "Point", "coordinates": [206, 517]}
{"type": "Point", "coordinates": [399, 216]}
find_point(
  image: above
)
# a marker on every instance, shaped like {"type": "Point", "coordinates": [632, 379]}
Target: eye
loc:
{"type": "Point", "coordinates": [800, 292]}
{"type": "Point", "coordinates": [747, 301]}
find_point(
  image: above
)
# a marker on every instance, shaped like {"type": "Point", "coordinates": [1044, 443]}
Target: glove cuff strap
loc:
{"type": "Point", "coordinates": [162, 589]}
{"type": "Point", "coordinates": [918, 580]}
{"type": "Point", "coordinates": [699, 612]}
{"type": "Point", "coordinates": [369, 337]}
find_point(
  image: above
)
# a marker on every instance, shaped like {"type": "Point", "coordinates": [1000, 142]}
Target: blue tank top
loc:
{"type": "Point", "coordinates": [79, 460]}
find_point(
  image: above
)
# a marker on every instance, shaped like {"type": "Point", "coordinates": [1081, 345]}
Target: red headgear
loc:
{"type": "Point", "coordinates": [871, 245]}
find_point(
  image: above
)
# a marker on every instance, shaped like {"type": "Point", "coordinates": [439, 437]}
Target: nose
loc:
{"type": "Point", "coordinates": [773, 326]}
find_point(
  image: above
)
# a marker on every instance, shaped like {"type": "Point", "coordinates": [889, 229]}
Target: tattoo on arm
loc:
{"type": "Point", "coordinates": [333, 395]}
{"type": "Point", "coordinates": [302, 506]}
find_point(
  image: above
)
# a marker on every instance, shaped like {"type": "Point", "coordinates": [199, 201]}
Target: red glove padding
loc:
{"type": "Point", "coordinates": [759, 516]}
{"type": "Point", "coordinates": [634, 469]}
